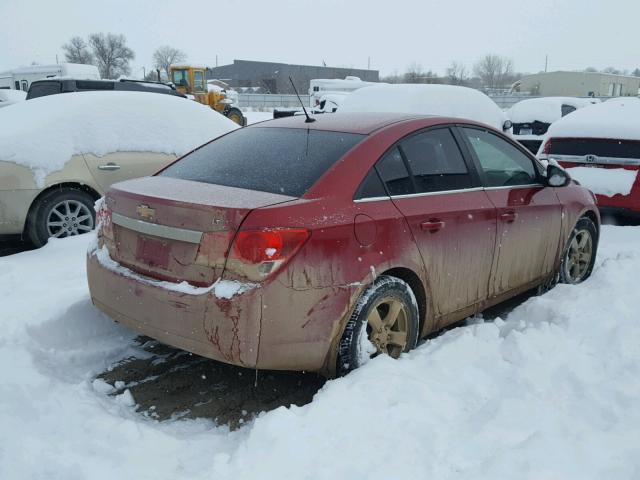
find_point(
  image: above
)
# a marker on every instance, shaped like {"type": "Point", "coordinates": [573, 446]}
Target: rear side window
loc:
{"type": "Point", "coordinates": [436, 161]}
{"type": "Point", "coordinates": [567, 109]}
{"type": "Point", "coordinates": [43, 89]}
{"type": "Point", "coordinates": [394, 173]}
{"type": "Point", "coordinates": [287, 161]}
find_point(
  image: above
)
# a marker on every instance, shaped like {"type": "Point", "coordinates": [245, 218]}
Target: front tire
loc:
{"type": "Point", "coordinates": [235, 115]}
{"type": "Point", "coordinates": [61, 213]}
{"type": "Point", "coordinates": [384, 321]}
{"type": "Point", "coordinates": [580, 253]}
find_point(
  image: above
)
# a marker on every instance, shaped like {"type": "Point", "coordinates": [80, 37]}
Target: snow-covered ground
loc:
{"type": "Point", "coordinates": [255, 116]}
{"type": "Point", "coordinates": [549, 392]}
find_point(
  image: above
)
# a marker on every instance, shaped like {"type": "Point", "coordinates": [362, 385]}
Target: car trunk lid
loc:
{"type": "Point", "coordinates": [179, 230]}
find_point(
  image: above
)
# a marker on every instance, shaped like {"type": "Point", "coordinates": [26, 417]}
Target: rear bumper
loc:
{"type": "Point", "coordinates": [226, 330]}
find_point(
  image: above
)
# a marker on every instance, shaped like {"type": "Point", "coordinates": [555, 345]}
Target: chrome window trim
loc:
{"type": "Point", "coordinates": [371, 199]}
{"type": "Point", "coordinates": [582, 159]}
{"type": "Point", "coordinates": [445, 192]}
{"type": "Point", "coordinates": [162, 231]}
{"type": "Point", "coordinates": [505, 187]}
{"type": "Point", "coordinates": [440, 192]}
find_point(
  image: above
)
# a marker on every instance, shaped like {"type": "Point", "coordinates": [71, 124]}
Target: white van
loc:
{"type": "Point", "coordinates": [21, 78]}
{"type": "Point", "coordinates": [319, 87]}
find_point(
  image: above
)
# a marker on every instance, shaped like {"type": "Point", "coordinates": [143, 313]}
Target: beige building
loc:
{"type": "Point", "coordinates": [578, 84]}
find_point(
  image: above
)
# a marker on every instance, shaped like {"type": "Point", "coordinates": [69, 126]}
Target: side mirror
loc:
{"type": "Point", "coordinates": [557, 176]}
{"type": "Point", "coordinates": [506, 126]}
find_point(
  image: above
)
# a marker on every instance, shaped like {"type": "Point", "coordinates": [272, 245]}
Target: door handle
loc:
{"type": "Point", "coordinates": [109, 166]}
{"type": "Point", "coordinates": [508, 217]}
{"type": "Point", "coordinates": [432, 225]}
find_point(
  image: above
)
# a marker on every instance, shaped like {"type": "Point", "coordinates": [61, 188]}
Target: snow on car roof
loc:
{"type": "Point", "coordinates": [545, 109]}
{"type": "Point", "coordinates": [44, 133]}
{"type": "Point", "coordinates": [441, 100]}
{"type": "Point", "coordinates": [618, 118]}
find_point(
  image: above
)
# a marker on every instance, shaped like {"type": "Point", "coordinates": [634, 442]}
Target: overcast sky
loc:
{"type": "Point", "coordinates": [394, 34]}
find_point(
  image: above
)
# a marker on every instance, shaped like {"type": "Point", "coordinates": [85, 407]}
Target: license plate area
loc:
{"type": "Point", "coordinates": [152, 252]}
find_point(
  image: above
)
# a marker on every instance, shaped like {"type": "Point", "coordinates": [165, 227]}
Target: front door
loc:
{"type": "Point", "coordinates": [529, 214]}
{"type": "Point", "coordinates": [451, 218]}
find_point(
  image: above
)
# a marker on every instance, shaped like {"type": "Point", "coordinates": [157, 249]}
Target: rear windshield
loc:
{"type": "Point", "coordinates": [287, 161]}
{"type": "Point", "coordinates": [599, 147]}
{"type": "Point", "coordinates": [43, 89]}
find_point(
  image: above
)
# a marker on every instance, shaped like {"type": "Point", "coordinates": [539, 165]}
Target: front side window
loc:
{"type": "Point", "coordinates": [502, 164]}
{"type": "Point", "coordinates": [180, 78]}
{"type": "Point", "coordinates": [287, 161]}
{"type": "Point", "coordinates": [436, 161]}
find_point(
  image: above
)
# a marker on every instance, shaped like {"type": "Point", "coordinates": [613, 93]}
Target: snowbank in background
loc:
{"type": "Point", "coordinates": [617, 118]}
{"type": "Point", "coordinates": [546, 109]}
{"type": "Point", "coordinates": [44, 133]}
{"type": "Point", "coordinates": [444, 100]}
{"type": "Point", "coordinates": [605, 181]}
{"type": "Point", "coordinates": [551, 391]}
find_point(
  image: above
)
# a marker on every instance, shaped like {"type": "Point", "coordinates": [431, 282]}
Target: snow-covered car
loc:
{"type": "Point", "coordinates": [442, 100]}
{"type": "Point", "coordinates": [59, 153]}
{"type": "Point", "coordinates": [9, 97]}
{"type": "Point", "coordinates": [600, 147]}
{"type": "Point", "coordinates": [531, 118]}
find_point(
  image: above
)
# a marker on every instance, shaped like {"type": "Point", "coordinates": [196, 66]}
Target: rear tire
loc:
{"type": "Point", "coordinates": [580, 253]}
{"type": "Point", "coordinates": [387, 313]}
{"type": "Point", "coordinates": [61, 213]}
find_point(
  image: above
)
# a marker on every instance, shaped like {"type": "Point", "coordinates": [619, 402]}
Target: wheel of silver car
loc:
{"type": "Point", "coordinates": [580, 253]}
{"type": "Point", "coordinates": [61, 213]}
{"type": "Point", "coordinates": [384, 321]}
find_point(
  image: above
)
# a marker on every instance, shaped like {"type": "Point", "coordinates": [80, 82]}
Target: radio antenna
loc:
{"type": "Point", "coordinates": [309, 119]}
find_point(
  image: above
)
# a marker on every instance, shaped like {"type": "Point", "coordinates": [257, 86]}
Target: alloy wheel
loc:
{"type": "Point", "coordinates": [578, 257]}
{"type": "Point", "coordinates": [68, 218]}
{"type": "Point", "coordinates": [388, 326]}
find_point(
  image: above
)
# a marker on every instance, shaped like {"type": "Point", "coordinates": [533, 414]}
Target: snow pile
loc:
{"type": "Point", "coordinates": [551, 391]}
{"type": "Point", "coordinates": [443, 100]}
{"type": "Point", "coordinates": [605, 181]}
{"type": "Point", "coordinates": [44, 133]}
{"type": "Point", "coordinates": [618, 118]}
{"type": "Point", "coordinates": [9, 97]}
{"type": "Point", "coordinates": [546, 109]}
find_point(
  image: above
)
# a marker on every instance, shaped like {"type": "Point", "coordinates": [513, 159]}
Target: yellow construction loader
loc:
{"type": "Point", "coordinates": [192, 80]}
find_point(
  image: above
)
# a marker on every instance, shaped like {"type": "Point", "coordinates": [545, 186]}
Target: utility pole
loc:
{"type": "Point", "coordinates": [546, 62]}
{"type": "Point", "coordinates": [368, 63]}
{"type": "Point", "coordinates": [216, 59]}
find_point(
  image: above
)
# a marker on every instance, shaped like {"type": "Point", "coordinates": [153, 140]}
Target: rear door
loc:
{"type": "Point", "coordinates": [119, 166]}
{"type": "Point", "coordinates": [451, 218]}
{"type": "Point", "coordinates": [529, 214]}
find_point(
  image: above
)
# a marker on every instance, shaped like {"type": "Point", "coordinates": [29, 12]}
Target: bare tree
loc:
{"type": "Point", "coordinates": [457, 73]}
{"type": "Point", "coordinates": [414, 73]}
{"type": "Point", "coordinates": [612, 70]}
{"type": "Point", "coordinates": [77, 51]}
{"type": "Point", "coordinates": [164, 56]}
{"type": "Point", "coordinates": [112, 56]}
{"type": "Point", "coordinates": [591, 70]}
{"type": "Point", "coordinates": [636, 72]}
{"type": "Point", "coordinates": [494, 70]}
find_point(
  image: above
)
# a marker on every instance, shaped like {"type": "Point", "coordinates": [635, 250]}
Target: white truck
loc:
{"type": "Point", "coordinates": [323, 87]}
{"type": "Point", "coordinates": [21, 78]}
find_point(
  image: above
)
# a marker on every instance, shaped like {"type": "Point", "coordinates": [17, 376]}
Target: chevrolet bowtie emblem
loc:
{"type": "Point", "coordinates": [146, 212]}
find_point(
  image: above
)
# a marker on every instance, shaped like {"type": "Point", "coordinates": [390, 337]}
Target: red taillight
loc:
{"type": "Point", "coordinates": [546, 149]}
{"type": "Point", "coordinates": [272, 245]}
{"type": "Point", "coordinates": [105, 225]}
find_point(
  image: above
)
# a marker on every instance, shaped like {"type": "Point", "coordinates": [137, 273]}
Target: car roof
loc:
{"type": "Point", "coordinates": [362, 123]}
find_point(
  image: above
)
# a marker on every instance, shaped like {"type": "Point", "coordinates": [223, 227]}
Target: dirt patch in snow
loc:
{"type": "Point", "coordinates": [176, 384]}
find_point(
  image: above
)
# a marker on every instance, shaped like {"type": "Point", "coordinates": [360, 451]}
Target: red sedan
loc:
{"type": "Point", "coordinates": [313, 246]}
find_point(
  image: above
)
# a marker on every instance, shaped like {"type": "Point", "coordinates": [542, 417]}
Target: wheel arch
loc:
{"type": "Point", "coordinates": [58, 186]}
